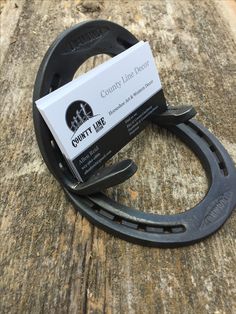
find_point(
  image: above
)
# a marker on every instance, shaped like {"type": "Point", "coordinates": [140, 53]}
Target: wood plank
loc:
{"type": "Point", "coordinates": [9, 15]}
{"type": "Point", "coordinates": [55, 261]}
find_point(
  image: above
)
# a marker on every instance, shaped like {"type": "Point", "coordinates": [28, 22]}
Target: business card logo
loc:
{"type": "Point", "coordinates": [77, 114]}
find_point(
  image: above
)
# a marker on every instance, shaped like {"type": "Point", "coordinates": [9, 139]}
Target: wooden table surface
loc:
{"type": "Point", "coordinates": [55, 261]}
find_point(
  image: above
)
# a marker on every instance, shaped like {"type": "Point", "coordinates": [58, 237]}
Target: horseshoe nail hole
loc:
{"type": "Point", "coordinates": [129, 224]}
{"type": "Point", "coordinates": [53, 144]}
{"type": "Point", "coordinates": [167, 229]}
{"type": "Point", "coordinates": [117, 219]}
{"type": "Point", "coordinates": [106, 214]}
{"type": "Point", "coordinates": [178, 229]}
{"type": "Point", "coordinates": [96, 208]}
{"type": "Point", "coordinates": [220, 161]}
{"type": "Point", "coordinates": [141, 227]}
{"type": "Point", "coordinates": [55, 82]}
{"type": "Point", "coordinates": [61, 166]}
{"type": "Point", "coordinates": [155, 229]}
{"type": "Point", "coordinates": [212, 148]}
{"type": "Point", "coordinates": [199, 133]}
{"type": "Point", "coordinates": [223, 168]}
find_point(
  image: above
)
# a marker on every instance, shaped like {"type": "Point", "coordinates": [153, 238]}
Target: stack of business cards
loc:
{"type": "Point", "coordinates": [95, 115]}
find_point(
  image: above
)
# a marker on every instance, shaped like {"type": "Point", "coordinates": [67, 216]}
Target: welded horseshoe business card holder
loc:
{"type": "Point", "coordinates": [71, 49]}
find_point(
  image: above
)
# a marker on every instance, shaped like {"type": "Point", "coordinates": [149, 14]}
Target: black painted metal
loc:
{"type": "Point", "coordinates": [174, 115]}
{"type": "Point", "coordinates": [60, 63]}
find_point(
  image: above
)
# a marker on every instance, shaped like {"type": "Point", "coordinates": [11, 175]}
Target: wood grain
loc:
{"type": "Point", "coordinates": [55, 261]}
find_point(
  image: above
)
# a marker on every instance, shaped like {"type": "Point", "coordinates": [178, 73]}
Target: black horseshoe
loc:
{"type": "Point", "coordinates": [60, 63]}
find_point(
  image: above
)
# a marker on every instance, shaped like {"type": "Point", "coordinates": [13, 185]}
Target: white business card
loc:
{"type": "Point", "coordinates": [83, 111]}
